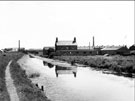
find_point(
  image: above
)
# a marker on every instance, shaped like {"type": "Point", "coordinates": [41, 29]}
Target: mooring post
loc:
{"type": "Point", "coordinates": [37, 85]}
{"type": "Point", "coordinates": [42, 88]}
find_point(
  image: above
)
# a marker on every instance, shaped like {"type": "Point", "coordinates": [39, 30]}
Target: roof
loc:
{"type": "Point", "coordinates": [62, 43]}
{"type": "Point", "coordinates": [111, 48]}
{"type": "Point", "coordinates": [46, 48]}
{"type": "Point", "coordinates": [84, 47]}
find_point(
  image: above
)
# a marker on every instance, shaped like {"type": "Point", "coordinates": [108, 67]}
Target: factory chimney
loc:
{"type": "Point", "coordinates": [19, 45]}
{"type": "Point", "coordinates": [74, 41]}
{"type": "Point", "coordinates": [93, 42]}
{"type": "Point", "coordinates": [56, 39]}
{"type": "Point", "coordinates": [89, 45]}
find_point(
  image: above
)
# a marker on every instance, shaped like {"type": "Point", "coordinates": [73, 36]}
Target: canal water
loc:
{"type": "Point", "coordinates": [88, 85]}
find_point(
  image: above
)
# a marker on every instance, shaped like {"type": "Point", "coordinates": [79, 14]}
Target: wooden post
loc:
{"type": "Point", "coordinates": [42, 88]}
{"type": "Point", "coordinates": [37, 85]}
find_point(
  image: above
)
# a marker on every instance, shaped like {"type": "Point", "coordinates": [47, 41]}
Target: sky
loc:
{"type": "Point", "coordinates": [37, 23]}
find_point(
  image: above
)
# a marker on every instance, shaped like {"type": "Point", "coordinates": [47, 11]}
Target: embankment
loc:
{"type": "Point", "coordinates": [26, 90]}
{"type": "Point", "coordinates": [120, 65]}
{"type": "Point", "coordinates": [4, 96]}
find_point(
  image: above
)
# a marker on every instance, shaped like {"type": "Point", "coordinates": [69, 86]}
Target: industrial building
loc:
{"type": "Point", "coordinates": [71, 48]}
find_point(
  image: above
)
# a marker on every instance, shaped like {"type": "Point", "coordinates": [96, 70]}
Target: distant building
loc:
{"type": "Point", "coordinates": [35, 51]}
{"type": "Point", "coordinates": [71, 48]}
{"type": "Point", "coordinates": [122, 50]}
{"type": "Point", "coordinates": [132, 47]}
{"type": "Point", "coordinates": [65, 45]}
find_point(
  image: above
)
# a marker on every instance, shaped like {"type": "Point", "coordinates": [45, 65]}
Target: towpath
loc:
{"type": "Point", "coordinates": [10, 84]}
{"type": "Point", "coordinates": [54, 62]}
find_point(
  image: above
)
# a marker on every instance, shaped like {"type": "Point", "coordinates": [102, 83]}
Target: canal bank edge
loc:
{"type": "Point", "coordinates": [118, 65]}
{"type": "Point", "coordinates": [26, 90]}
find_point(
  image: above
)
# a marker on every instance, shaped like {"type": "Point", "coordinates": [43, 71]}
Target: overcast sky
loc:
{"type": "Point", "coordinates": [38, 23]}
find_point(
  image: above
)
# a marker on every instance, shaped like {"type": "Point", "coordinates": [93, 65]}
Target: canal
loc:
{"type": "Point", "coordinates": [88, 85]}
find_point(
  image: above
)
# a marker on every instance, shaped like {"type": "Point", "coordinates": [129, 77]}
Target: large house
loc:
{"type": "Point", "coordinates": [65, 47]}
{"type": "Point", "coordinates": [71, 48]}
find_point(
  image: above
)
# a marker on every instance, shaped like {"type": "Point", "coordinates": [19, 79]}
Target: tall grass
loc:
{"type": "Point", "coordinates": [118, 64]}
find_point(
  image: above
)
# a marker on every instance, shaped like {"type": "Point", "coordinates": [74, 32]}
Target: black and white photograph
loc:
{"type": "Point", "coordinates": [67, 50]}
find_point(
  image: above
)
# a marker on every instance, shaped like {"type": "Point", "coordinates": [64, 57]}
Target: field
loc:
{"type": "Point", "coordinates": [120, 65]}
{"type": "Point", "coordinates": [25, 89]}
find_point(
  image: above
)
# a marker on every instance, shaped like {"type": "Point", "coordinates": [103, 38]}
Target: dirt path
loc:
{"type": "Point", "coordinates": [10, 85]}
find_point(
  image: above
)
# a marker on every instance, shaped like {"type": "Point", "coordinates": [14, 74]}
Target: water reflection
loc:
{"type": "Point", "coordinates": [65, 70]}
{"type": "Point", "coordinates": [48, 64]}
{"type": "Point", "coordinates": [44, 63]}
{"type": "Point", "coordinates": [90, 85]}
{"type": "Point", "coordinates": [62, 70]}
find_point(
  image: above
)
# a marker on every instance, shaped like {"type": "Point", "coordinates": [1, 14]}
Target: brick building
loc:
{"type": "Point", "coordinates": [65, 45]}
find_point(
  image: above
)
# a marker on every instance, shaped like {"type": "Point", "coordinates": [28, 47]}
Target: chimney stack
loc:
{"type": "Point", "coordinates": [93, 42]}
{"type": "Point", "coordinates": [74, 40]}
{"type": "Point", "coordinates": [56, 39]}
{"type": "Point", "coordinates": [19, 45]}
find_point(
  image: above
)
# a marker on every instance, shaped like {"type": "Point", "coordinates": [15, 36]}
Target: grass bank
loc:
{"type": "Point", "coordinates": [26, 90]}
{"type": "Point", "coordinates": [120, 65]}
{"type": "Point", "coordinates": [3, 90]}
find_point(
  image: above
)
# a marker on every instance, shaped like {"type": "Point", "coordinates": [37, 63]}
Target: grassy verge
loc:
{"type": "Point", "coordinates": [121, 65]}
{"type": "Point", "coordinates": [25, 89]}
{"type": "Point", "coordinates": [3, 90]}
